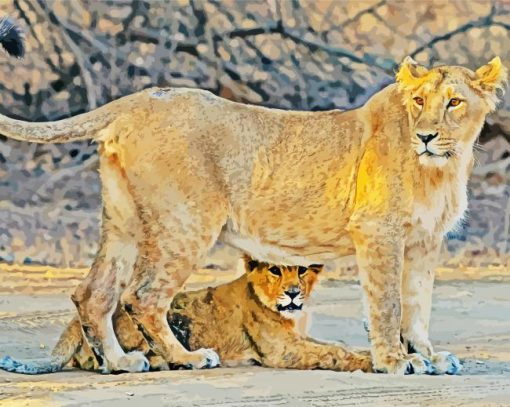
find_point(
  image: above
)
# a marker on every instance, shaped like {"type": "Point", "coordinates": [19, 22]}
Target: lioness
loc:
{"type": "Point", "coordinates": [256, 319]}
{"type": "Point", "coordinates": [182, 168]}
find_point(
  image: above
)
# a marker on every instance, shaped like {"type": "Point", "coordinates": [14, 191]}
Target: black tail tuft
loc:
{"type": "Point", "coordinates": [11, 38]}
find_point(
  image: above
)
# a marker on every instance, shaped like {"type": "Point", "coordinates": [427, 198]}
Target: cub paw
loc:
{"type": "Point", "coordinates": [409, 364]}
{"type": "Point", "coordinates": [199, 359]}
{"type": "Point", "coordinates": [208, 359]}
{"type": "Point", "coordinates": [364, 362]}
{"type": "Point", "coordinates": [132, 362]}
{"type": "Point", "coordinates": [445, 363]}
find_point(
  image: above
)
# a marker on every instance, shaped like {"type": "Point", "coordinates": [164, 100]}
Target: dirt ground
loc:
{"type": "Point", "coordinates": [470, 318]}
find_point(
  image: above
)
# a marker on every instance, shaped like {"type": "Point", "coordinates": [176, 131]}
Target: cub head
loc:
{"type": "Point", "coordinates": [282, 288]}
{"type": "Point", "coordinates": [447, 106]}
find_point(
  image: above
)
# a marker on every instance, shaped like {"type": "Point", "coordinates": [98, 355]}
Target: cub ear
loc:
{"type": "Point", "coordinates": [316, 268]}
{"type": "Point", "coordinates": [410, 74]}
{"type": "Point", "coordinates": [492, 76]}
{"type": "Point", "coordinates": [249, 263]}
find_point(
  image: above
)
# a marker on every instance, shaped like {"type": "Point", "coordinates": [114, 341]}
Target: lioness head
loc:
{"type": "Point", "coordinates": [281, 288]}
{"type": "Point", "coordinates": [447, 106]}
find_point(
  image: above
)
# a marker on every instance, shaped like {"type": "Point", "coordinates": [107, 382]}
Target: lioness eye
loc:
{"type": "Point", "coordinates": [302, 270]}
{"type": "Point", "coordinates": [275, 270]}
{"type": "Point", "coordinates": [454, 102]}
{"type": "Point", "coordinates": [418, 101]}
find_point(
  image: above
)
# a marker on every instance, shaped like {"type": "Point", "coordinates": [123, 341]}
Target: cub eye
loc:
{"type": "Point", "coordinates": [454, 102]}
{"type": "Point", "coordinates": [275, 270]}
{"type": "Point", "coordinates": [418, 101]}
{"type": "Point", "coordinates": [302, 270]}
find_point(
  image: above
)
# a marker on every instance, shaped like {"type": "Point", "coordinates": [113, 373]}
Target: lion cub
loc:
{"type": "Point", "coordinates": [256, 319]}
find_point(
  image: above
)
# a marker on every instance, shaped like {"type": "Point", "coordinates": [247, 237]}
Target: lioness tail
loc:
{"type": "Point", "coordinates": [84, 126]}
{"type": "Point", "coordinates": [80, 127]}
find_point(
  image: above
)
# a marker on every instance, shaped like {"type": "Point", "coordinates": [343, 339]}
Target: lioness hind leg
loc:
{"type": "Point", "coordinates": [96, 298]}
{"type": "Point", "coordinates": [173, 244]}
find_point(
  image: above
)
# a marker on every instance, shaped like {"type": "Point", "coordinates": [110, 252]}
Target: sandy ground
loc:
{"type": "Point", "coordinates": [470, 318]}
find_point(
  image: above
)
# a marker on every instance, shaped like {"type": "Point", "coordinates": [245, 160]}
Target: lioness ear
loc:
{"type": "Point", "coordinates": [492, 76]}
{"type": "Point", "coordinates": [410, 75]}
{"type": "Point", "coordinates": [489, 79]}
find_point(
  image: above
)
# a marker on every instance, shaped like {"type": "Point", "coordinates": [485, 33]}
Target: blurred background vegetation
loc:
{"type": "Point", "coordinates": [299, 54]}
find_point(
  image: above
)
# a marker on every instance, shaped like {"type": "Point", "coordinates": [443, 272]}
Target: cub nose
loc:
{"type": "Point", "coordinates": [292, 292]}
{"type": "Point", "coordinates": [426, 137]}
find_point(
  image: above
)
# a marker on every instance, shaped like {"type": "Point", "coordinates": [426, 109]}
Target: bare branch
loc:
{"type": "Point", "coordinates": [85, 68]}
{"type": "Point", "coordinates": [486, 21]}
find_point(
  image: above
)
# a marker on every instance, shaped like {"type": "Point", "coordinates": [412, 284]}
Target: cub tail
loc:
{"type": "Point", "coordinates": [69, 343]}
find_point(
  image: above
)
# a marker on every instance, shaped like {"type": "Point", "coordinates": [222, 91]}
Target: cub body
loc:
{"type": "Point", "coordinates": [256, 319]}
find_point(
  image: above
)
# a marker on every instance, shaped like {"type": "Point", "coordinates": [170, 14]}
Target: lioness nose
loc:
{"type": "Point", "coordinates": [292, 292]}
{"type": "Point", "coordinates": [426, 137]}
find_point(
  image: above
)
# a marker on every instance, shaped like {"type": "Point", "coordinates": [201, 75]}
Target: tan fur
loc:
{"type": "Point", "coordinates": [182, 168]}
{"type": "Point", "coordinates": [240, 320]}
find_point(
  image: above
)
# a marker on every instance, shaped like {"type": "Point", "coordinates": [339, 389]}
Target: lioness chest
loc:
{"type": "Point", "coordinates": [439, 208]}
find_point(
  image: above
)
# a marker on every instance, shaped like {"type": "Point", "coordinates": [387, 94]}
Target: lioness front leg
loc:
{"type": "Point", "coordinates": [421, 258]}
{"type": "Point", "coordinates": [96, 300]}
{"type": "Point", "coordinates": [380, 257]}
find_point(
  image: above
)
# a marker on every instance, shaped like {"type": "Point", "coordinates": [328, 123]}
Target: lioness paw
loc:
{"type": "Point", "coordinates": [418, 364]}
{"type": "Point", "coordinates": [409, 364]}
{"type": "Point", "coordinates": [445, 363]}
{"type": "Point", "coordinates": [442, 362]}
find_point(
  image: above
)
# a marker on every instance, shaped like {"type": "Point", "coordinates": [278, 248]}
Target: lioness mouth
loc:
{"type": "Point", "coordinates": [448, 154]}
{"type": "Point", "coordinates": [289, 307]}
